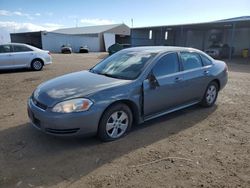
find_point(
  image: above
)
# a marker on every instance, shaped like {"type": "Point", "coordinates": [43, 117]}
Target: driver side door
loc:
{"type": "Point", "coordinates": [163, 87]}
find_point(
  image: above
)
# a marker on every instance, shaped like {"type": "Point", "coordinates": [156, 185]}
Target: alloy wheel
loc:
{"type": "Point", "coordinates": [37, 65]}
{"type": "Point", "coordinates": [211, 94]}
{"type": "Point", "coordinates": [117, 124]}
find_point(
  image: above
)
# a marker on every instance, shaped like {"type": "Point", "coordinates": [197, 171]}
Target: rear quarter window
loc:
{"type": "Point", "coordinates": [205, 60]}
{"type": "Point", "coordinates": [190, 60]}
{"type": "Point", "coordinates": [20, 48]}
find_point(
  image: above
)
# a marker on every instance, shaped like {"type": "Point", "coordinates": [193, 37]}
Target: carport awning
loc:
{"type": "Point", "coordinates": [204, 26]}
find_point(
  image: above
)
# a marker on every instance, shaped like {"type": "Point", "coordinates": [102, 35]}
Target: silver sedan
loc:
{"type": "Point", "coordinates": [131, 86]}
{"type": "Point", "coordinates": [16, 55]}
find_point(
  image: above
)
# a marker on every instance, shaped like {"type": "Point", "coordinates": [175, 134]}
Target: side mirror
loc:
{"type": "Point", "coordinates": [152, 81]}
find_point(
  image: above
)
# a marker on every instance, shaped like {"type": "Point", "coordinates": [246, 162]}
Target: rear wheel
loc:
{"type": "Point", "coordinates": [210, 95]}
{"type": "Point", "coordinates": [115, 122]}
{"type": "Point", "coordinates": [37, 65]}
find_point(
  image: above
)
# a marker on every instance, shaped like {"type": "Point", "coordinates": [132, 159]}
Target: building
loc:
{"type": "Point", "coordinates": [97, 38]}
{"type": "Point", "coordinates": [234, 32]}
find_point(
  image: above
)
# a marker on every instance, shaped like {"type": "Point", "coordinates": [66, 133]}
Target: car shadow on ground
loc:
{"type": "Point", "coordinates": [9, 71]}
{"type": "Point", "coordinates": [37, 159]}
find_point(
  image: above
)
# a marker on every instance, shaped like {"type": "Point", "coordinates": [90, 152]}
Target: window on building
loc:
{"type": "Point", "coordinates": [150, 34]}
{"type": "Point", "coordinates": [166, 35]}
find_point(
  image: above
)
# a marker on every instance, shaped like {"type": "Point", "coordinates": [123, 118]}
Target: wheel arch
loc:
{"type": "Point", "coordinates": [132, 106]}
{"type": "Point", "coordinates": [218, 83]}
{"type": "Point", "coordinates": [37, 58]}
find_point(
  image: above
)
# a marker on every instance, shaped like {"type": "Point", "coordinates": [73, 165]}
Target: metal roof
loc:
{"type": "Point", "coordinates": [87, 30]}
{"type": "Point", "coordinates": [242, 18]}
{"type": "Point", "coordinates": [243, 21]}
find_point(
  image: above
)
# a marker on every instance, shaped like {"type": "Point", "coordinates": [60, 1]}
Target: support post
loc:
{"type": "Point", "coordinates": [232, 42]}
{"type": "Point", "coordinates": [182, 40]}
{"type": "Point", "coordinates": [161, 39]}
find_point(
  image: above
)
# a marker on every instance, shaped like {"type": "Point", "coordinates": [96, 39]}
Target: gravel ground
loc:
{"type": "Point", "coordinates": [195, 147]}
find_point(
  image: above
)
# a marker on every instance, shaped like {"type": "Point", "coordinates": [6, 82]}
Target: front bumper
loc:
{"type": "Point", "coordinates": [59, 124]}
{"type": "Point", "coordinates": [223, 79]}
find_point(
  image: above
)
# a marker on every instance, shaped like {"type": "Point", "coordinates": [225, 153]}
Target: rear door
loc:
{"type": "Point", "coordinates": [22, 55]}
{"type": "Point", "coordinates": [167, 93]}
{"type": "Point", "coordinates": [6, 58]}
{"type": "Point", "coordinates": [195, 76]}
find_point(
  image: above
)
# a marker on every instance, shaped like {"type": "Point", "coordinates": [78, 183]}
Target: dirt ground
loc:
{"type": "Point", "coordinates": [195, 147]}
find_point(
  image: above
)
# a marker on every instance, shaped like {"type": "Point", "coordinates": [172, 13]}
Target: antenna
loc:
{"type": "Point", "coordinates": [132, 22]}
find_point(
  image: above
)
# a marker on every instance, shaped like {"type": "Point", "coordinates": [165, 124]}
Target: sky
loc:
{"type": "Point", "coordinates": [34, 15]}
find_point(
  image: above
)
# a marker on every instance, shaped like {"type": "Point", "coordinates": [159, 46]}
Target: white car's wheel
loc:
{"type": "Point", "coordinates": [37, 65]}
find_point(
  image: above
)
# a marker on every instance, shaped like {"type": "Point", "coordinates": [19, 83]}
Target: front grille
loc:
{"type": "Point", "coordinates": [61, 131]}
{"type": "Point", "coordinates": [38, 104]}
{"type": "Point", "coordinates": [36, 122]}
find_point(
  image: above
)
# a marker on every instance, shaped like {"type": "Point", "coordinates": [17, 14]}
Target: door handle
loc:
{"type": "Point", "coordinates": [206, 72]}
{"type": "Point", "coordinates": [178, 79]}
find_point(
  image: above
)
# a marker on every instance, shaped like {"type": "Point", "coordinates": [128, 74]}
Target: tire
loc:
{"type": "Point", "coordinates": [210, 95]}
{"type": "Point", "coordinates": [37, 65]}
{"type": "Point", "coordinates": [115, 122]}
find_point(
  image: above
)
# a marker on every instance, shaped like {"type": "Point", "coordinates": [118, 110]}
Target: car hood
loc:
{"type": "Point", "coordinates": [74, 85]}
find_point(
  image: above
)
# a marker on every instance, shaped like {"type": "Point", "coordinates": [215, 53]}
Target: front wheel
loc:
{"type": "Point", "coordinates": [115, 122]}
{"type": "Point", "coordinates": [210, 95]}
{"type": "Point", "coordinates": [37, 65]}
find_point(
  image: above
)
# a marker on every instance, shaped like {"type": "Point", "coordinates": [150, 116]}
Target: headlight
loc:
{"type": "Point", "coordinates": [74, 105]}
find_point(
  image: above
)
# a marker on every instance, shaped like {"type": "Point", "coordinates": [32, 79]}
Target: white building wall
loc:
{"type": "Point", "coordinates": [109, 39]}
{"type": "Point", "coordinates": [54, 41]}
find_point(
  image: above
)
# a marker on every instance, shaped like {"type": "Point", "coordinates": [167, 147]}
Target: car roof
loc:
{"type": "Point", "coordinates": [161, 49]}
{"type": "Point", "coordinates": [14, 43]}
{"type": "Point", "coordinates": [23, 44]}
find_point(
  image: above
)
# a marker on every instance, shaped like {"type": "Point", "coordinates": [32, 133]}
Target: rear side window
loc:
{"type": "Point", "coordinates": [20, 48]}
{"type": "Point", "coordinates": [5, 48]}
{"type": "Point", "coordinates": [168, 64]}
{"type": "Point", "coordinates": [190, 60]}
{"type": "Point", "coordinates": [205, 60]}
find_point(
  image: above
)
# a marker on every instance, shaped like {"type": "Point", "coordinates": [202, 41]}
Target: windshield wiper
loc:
{"type": "Point", "coordinates": [92, 70]}
{"type": "Point", "coordinates": [108, 75]}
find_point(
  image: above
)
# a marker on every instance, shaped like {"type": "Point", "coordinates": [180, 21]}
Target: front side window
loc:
{"type": "Point", "coordinates": [168, 64]}
{"type": "Point", "coordinates": [124, 64]}
{"type": "Point", "coordinates": [5, 49]}
{"type": "Point", "coordinates": [190, 60]}
{"type": "Point", "coordinates": [20, 48]}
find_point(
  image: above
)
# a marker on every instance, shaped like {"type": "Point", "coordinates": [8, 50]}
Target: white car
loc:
{"type": "Point", "coordinates": [17, 55]}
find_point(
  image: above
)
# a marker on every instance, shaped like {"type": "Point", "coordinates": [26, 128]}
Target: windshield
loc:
{"type": "Point", "coordinates": [123, 65]}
